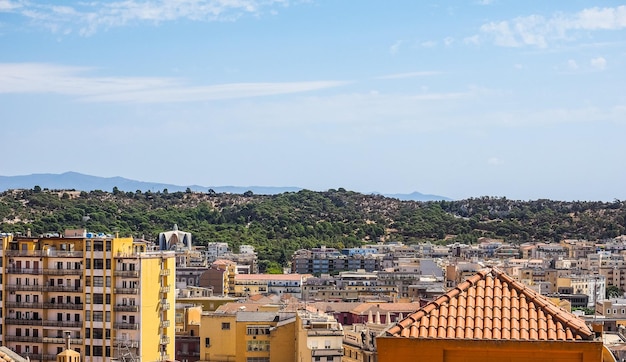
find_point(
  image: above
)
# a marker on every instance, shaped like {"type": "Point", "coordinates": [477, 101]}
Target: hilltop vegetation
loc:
{"type": "Point", "coordinates": [279, 224]}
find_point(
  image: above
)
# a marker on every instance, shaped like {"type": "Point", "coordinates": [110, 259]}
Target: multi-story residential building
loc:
{"type": "Point", "coordinates": [188, 318]}
{"type": "Point", "coordinates": [215, 251]}
{"type": "Point", "coordinates": [244, 336]}
{"type": "Point", "coordinates": [325, 260]}
{"type": "Point", "coordinates": [279, 284]}
{"type": "Point", "coordinates": [319, 337]}
{"type": "Point", "coordinates": [594, 286]}
{"type": "Point", "coordinates": [113, 296]}
{"type": "Point", "coordinates": [614, 276]}
{"type": "Point", "coordinates": [531, 276]}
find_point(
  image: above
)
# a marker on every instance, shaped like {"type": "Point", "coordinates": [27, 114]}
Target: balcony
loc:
{"type": "Point", "coordinates": [23, 322]}
{"type": "Point", "coordinates": [71, 306]}
{"type": "Point", "coordinates": [63, 271]}
{"type": "Point", "coordinates": [164, 289]}
{"type": "Point", "coordinates": [61, 340]}
{"type": "Point", "coordinates": [126, 273]}
{"type": "Point", "coordinates": [130, 343]}
{"type": "Point", "coordinates": [125, 325]}
{"type": "Point", "coordinates": [126, 290]}
{"type": "Point", "coordinates": [320, 352]}
{"type": "Point", "coordinates": [164, 340]}
{"type": "Point", "coordinates": [164, 324]}
{"type": "Point", "coordinates": [40, 357]}
{"type": "Point", "coordinates": [24, 305]}
{"type": "Point", "coordinates": [68, 324]}
{"type": "Point", "coordinates": [164, 272]}
{"type": "Point", "coordinates": [126, 308]}
{"type": "Point", "coordinates": [62, 288]}
{"type": "Point", "coordinates": [22, 287]}
{"type": "Point", "coordinates": [24, 271]}
{"type": "Point", "coordinates": [23, 339]}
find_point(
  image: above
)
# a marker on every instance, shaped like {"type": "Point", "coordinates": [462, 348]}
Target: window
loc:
{"type": "Point", "coordinates": [258, 345]}
{"type": "Point", "coordinates": [207, 342]}
{"type": "Point", "coordinates": [98, 298]}
{"type": "Point", "coordinates": [257, 330]}
{"type": "Point", "coordinates": [97, 316]}
{"type": "Point", "coordinates": [97, 351]}
{"type": "Point", "coordinates": [98, 264]}
{"type": "Point", "coordinates": [98, 281]}
{"type": "Point", "coordinates": [225, 326]}
{"type": "Point", "coordinates": [258, 359]}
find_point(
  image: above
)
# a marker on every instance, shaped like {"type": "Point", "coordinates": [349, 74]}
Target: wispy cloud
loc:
{"type": "Point", "coordinates": [598, 63]}
{"type": "Point", "coordinates": [395, 47]}
{"type": "Point", "coordinates": [89, 17]}
{"type": "Point", "coordinates": [409, 75]}
{"type": "Point", "coordinates": [539, 31]}
{"type": "Point", "coordinates": [39, 78]}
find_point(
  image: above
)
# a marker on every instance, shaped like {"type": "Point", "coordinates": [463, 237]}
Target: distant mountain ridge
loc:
{"type": "Point", "coordinates": [81, 182]}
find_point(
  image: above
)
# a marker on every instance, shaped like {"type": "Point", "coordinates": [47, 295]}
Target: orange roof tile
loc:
{"type": "Point", "coordinates": [492, 305]}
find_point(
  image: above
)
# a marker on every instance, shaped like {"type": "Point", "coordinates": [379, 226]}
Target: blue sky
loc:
{"type": "Point", "coordinates": [522, 99]}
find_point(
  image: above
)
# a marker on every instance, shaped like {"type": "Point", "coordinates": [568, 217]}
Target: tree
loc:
{"type": "Point", "coordinates": [613, 292]}
{"type": "Point", "coordinates": [248, 193]}
{"type": "Point", "coordinates": [37, 189]}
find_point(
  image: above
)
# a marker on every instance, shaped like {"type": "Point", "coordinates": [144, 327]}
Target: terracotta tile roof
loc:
{"type": "Point", "coordinates": [492, 305]}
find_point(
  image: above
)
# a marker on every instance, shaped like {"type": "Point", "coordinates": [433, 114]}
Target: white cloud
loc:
{"type": "Point", "coordinates": [448, 41]}
{"type": "Point", "coordinates": [393, 49]}
{"type": "Point", "coordinates": [8, 5]}
{"type": "Point", "coordinates": [538, 31]}
{"type": "Point", "coordinates": [47, 78]}
{"type": "Point", "coordinates": [429, 44]}
{"type": "Point", "coordinates": [598, 63]}
{"type": "Point", "coordinates": [571, 64]}
{"type": "Point", "coordinates": [89, 17]}
{"type": "Point", "coordinates": [495, 161]}
{"type": "Point", "coordinates": [472, 40]}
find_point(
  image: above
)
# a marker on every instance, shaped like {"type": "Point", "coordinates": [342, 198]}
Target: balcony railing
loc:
{"type": "Point", "coordinates": [130, 343]}
{"type": "Point", "coordinates": [23, 322]}
{"type": "Point", "coordinates": [164, 272]}
{"type": "Point", "coordinates": [49, 253]}
{"type": "Point", "coordinates": [164, 289]}
{"type": "Point", "coordinates": [126, 273]}
{"type": "Point", "coordinates": [126, 290]}
{"type": "Point", "coordinates": [164, 324]}
{"type": "Point", "coordinates": [72, 306]}
{"type": "Point", "coordinates": [40, 357]}
{"type": "Point", "coordinates": [23, 339]}
{"type": "Point", "coordinates": [22, 287]}
{"type": "Point", "coordinates": [126, 308]}
{"type": "Point", "coordinates": [69, 324]}
{"type": "Point", "coordinates": [23, 305]}
{"type": "Point", "coordinates": [13, 270]}
{"type": "Point", "coordinates": [61, 340]}
{"type": "Point", "coordinates": [63, 271]}
{"type": "Point", "coordinates": [126, 325]}
{"type": "Point", "coordinates": [62, 288]}
{"type": "Point", "coordinates": [164, 340]}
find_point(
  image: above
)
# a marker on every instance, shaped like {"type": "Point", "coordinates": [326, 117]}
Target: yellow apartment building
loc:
{"type": "Point", "coordinates": [113, 295]}
{"type": "Point", "coordinates": [247, 336]}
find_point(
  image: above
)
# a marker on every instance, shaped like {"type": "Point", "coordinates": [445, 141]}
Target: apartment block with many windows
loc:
{"type": "Point", "coordinates": [114, 296]}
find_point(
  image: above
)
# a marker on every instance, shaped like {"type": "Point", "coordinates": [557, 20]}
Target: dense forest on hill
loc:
{"type": "Point", "coordinates": [279, 224]}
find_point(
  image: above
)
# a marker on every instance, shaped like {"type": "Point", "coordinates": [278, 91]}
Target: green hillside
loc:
{"type": "Point", "coordinates": [279, 224]}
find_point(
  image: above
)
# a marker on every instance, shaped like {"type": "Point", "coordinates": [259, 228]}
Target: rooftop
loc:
{"type": "Point", "coordinates": [492, 305]}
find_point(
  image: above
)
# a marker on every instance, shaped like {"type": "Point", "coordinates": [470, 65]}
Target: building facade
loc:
{"type": "Point", "coordinates": [114, 296]}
